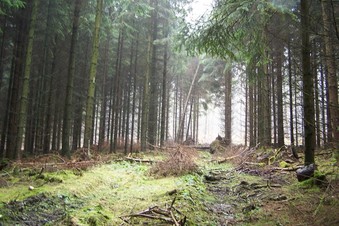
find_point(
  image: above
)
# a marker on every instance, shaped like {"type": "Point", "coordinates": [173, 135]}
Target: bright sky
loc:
{"type": "Point", "coordinates": [199, 7]}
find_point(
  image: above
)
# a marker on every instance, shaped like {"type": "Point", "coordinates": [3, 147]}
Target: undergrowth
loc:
{"type": "Point", "coordinates": [179, 161]}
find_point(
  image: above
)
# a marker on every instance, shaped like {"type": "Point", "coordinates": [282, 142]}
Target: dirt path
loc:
{"type": "Point", "coordinates": [259, 196]}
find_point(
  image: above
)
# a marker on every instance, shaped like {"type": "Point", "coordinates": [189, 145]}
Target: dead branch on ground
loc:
{"type": "Point", "coordinates": [167, 215]}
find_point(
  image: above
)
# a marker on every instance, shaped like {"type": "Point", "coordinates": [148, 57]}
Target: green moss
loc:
{"type": "Point", "coordinates": [283, 164]}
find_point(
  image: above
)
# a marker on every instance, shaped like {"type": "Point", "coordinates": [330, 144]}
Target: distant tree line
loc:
{"type": "Point", "coordinates": [79, 73]}
{"type": "Point", "coordinates": [288, 53]}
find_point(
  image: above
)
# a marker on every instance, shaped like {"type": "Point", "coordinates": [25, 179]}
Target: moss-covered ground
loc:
{"type": "Point", "coordinates": [114, 191]}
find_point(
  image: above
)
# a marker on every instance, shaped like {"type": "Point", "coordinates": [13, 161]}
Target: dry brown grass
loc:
{"type": "Point", "coordinates": [179, 161]}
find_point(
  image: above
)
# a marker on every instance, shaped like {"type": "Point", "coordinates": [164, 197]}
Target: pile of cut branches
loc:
{"type": "Point", "coordinates": [180, 161]}
{"type": "Point", "coordinates": [168, 215]}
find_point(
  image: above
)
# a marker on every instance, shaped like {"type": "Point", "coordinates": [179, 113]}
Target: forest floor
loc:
{"type": "Point", "coordinates": [177, 186]}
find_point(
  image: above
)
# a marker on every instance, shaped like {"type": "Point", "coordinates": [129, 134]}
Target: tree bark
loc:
{"type": "Point", "coordinates": [228, 106]}
{"type": "Point", "coordinates": [331, 74]}
{"type": "Point", "coordinates": [92, 76]}
{"type": "Point", "coordinates": [308, 89]}
{"type": "Point", "coordinates": [68, 108]}
{"type": "Point", "coordinates": [154, 81]}
{"type": "Point", "coordinates": [25, 86]}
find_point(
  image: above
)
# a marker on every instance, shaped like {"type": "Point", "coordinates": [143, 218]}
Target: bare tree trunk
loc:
{"type": "Point", "coordinates": [280, 107]}
{"type": "Point", "coordinates": [92, 76]}
{"type": "Point", "coordinates": [25, 86]}
{"type": "Point", "coordinates": [134, 91]}
{"type": "Point", "coordinates": [228, 106]}
{"type": "Point", "coordinates": [331, 74]}
{"type": "Point", "coordinates": [323, 104]}
{"type": "Point", "coordinates": [308, 89]}
{"type": "Point", "coordinates": [103, 109]}
{"type": "Point", "coordinates": [154, 81]}
{"type": "Point", "coordinates": [290, 92]}
{"type": "Point", "coordinates": [164, 98]}
{"type": "Point", "coordinates": [316, 94]}
{"type": "Point", "coordinates": [68, 108]}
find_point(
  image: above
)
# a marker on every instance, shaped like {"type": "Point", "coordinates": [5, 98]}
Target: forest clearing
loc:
{"type": "Point", "coordinates": [177, 186]}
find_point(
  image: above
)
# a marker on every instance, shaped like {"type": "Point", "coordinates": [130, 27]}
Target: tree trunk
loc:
{"type": "Point", "coordinates": [25, 86]}
{"type": "Point", "coordinates": [92, 76]}
{"type": "Point", "coordinates": [308, 90]}
{"type": "Point", "coordinates": [228, 106]}
{"type": "Point", "coordinates": [331, 74]}
{"type": "Point", "coordinates": [323, 104]}
{"type": "Point", "coordinates": [280, 107]}
{"type": "Point", "coordinates": [103, 109]}
{"type": "Point", "coordinates": [68, 108]}
{"type": "Point", "coordinates": [290, 92]}
{"type": "Point", "coordinates": [154, 82]}
{"type": "Point", "coordinates": [164, 98]}
{"type": "Point", "coordinates": [134, 91]}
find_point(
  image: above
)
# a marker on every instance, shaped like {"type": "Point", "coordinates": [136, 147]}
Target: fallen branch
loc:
{"type": "Point", "coordinates": [286, 169]}
{"type": "Point", "coordinates": [253, 163]}
{"type": "Point", "coordinates": [140, 160]}
{"type": "Point", "coordinates": [245, 152]}
{"type": "Point", "coordinates": [168, 220]}
{"type": "Point", "coordinates": [157, 213]}
{"type": "Point", "coordinates": [228, 158]}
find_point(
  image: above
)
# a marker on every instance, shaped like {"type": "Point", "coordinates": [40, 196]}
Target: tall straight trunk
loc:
{"type": "Point", "coordinates": [79, 101]}
{"type": "Point", "coordinates": [134, 91]}
{"type": "Point", "coordinates": [274, 110]}
{"type": "Point", "coordinates": [43, 82]}
{"type": "Point", "coordinates": [92, 76]}
{"type": "Point", "coordinates": [255, 112]}
{"type": "Point", "coordinates": [11, 118]}
{"type": "Point", "coordinates": [140, 99]}
{"type": "Point", "coordinates": [251, 107]}
{"type": "Point", "coordinates": [117, 92]}
{"type": "Point", "coordinates": [323, 104]}
{"type": "Point", "coordinates": [331, 74]}
{"type": "Point", "coordinates": [195, 118]}
{"type": "Point", "coordinates": [280, 107]}
{"type": "Point", "coordinates": [103, 109]}
{"type": "Point", "coordinates": [7, 126]}
{"type": "Point", "coordinates": [68, 108]}
{"type": "Point", "coordinates": [290, 92]}
{"type": "Point", "coordinates": [196, 139]}
{"type": "Point", "coordinates": [164, 98]}
{"type": "Point", "coordinates": [228, 106]}
{"type": "Point", "coordinates": [128, 104]}
{"type": "Point", "coordinates": [49, 105]}
{"type": "Point", "coordinates": [47, 71]}
{"type": "Point", "coordinates": [25, 86]}
{"type": "Point", "coordinates": [316, 93]}
{"type": "Point", "coordinates": [3, 126]}
{"type": "Point", "coordinates": [308, 89]}
{"type": "Point", "coordinates": [264, 130]}
{"type": "Point", "coordinates": [246, 112]}
{"type": "Point", "coordinates": [145, 99]}
{"type": "Point", "coordinates": [175, 109]}
{"type": "Point", "coordinates": [2, 49]}
{"type": "Point", "coordinates": [154, 81]}
{"type": "Point", "coordinates": [146, 89]}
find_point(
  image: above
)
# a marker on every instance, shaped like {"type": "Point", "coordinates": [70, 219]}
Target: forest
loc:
{"type": "Point", "coordinates": [92, 90]}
